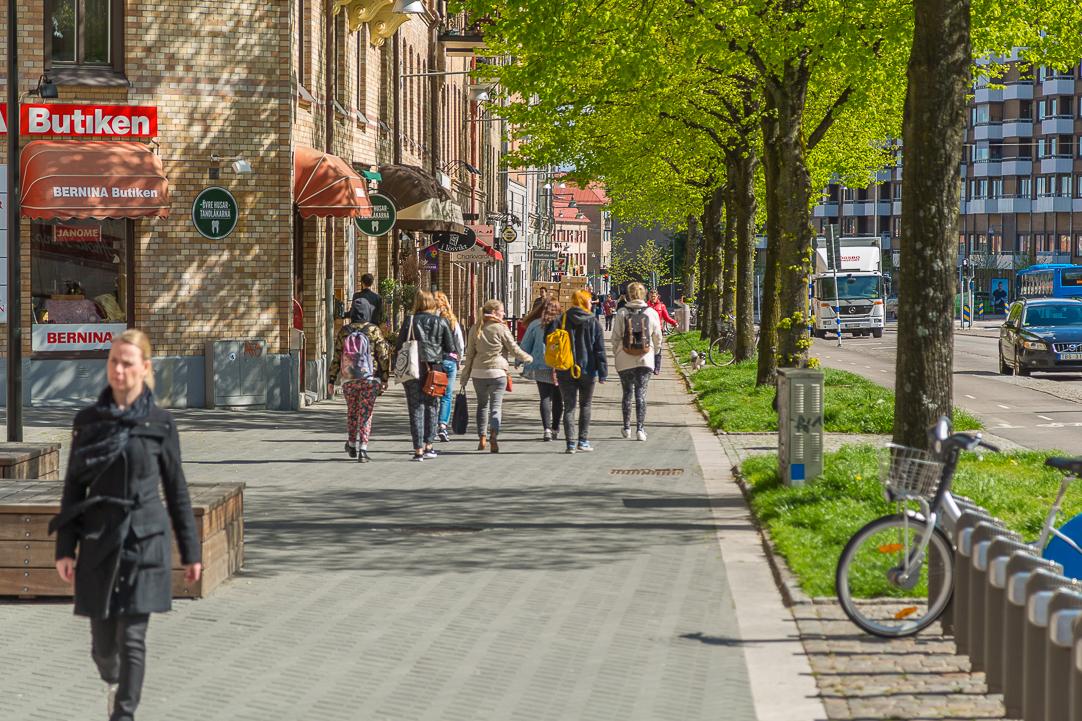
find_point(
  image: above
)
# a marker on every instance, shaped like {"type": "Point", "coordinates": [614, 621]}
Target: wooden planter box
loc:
{"type": "Point", "coordinates": [30, 460]}
{"type": "Point", "coordinates": [27, 550]}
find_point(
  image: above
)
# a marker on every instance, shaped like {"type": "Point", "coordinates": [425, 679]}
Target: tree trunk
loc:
{"type": "Point", "coordinates": [933, 135]}
{"type": "Point", "coordinates": [728, 273]}
{"type": "Point", "coordinates": [768, 305]}
{"type": "Point", "coordinates": [794, 216]}
{"type": "Point", "coordinates": [707, 283]}
{"type": "Point", "coordinates": [691, 252]}
{"type": "Point", "coordinates": [741, 174]}
{"type": "Point", "coordinates": [720, 221]}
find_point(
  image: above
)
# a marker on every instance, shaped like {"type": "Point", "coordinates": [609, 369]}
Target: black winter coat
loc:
{"type": "Point", "coordinates": [435, 341]}
{"type": "Point", "coordinates": [587, 342]}
{"type": "Point", "coordinates": [118, 524]}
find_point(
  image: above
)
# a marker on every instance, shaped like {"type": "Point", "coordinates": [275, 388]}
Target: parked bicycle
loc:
{"type": "Point", "coordinates": [895, 576]}
{"type": "Point", "coordinates": [722, 349]}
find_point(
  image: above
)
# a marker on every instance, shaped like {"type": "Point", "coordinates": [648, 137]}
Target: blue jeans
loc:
{"type": "Point", "coordinates": [447, 403]}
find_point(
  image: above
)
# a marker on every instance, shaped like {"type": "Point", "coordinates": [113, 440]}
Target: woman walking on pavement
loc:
{"type": "Point", "coordinates": [489, 339]}
{"type": "Point", "coordinates": [450, 364]}
{"type": "Point", "coordinates": [636, 340]}
{"type": "Point", "coordinates": [590, 365]}
{"type": "Point", "coordinates": [654, 301]}
{"type": "Point", "coordinates": [435, 343]}
{"type": "Point", "coordinates": [111, 517]}
{"type": "Point", "coordinates": [552, 405]}
{"type": "Point", "coordinates": [610, 310]}
{"type": "Point", "coordinates": [361, 365]}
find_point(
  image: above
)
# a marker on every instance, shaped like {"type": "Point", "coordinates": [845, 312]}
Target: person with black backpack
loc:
{"type": "Point", "coordinates": [361, 365]}
{"type": "Point", "coordinates": [636, 338]}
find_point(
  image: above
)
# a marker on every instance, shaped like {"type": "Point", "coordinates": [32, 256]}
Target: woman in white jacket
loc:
{"type": "Point", "coordinates": [636, 338]}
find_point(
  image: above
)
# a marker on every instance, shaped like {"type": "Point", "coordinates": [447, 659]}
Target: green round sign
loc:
{"type": "Point", "coordinates": [215, 213]}
{"type": "Point", "coordinates": [383, 216]}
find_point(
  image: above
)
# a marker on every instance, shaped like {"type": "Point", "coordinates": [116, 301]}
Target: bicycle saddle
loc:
{"type": "Point", "coordinates": [1069, 465]}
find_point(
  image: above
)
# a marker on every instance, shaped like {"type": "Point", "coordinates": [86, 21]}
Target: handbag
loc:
{"type": "Point", "coordinates": [407, 365]}
{"type": "Point", "coordinates": [435, 383]}
{"type": "Point", "coordinates": [460, 418]}
{"type": "Point", "coordinates": [510, 385]}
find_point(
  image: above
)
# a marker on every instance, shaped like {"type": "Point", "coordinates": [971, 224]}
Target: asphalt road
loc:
{"type": "Point", "coordinates": [1042, 411]}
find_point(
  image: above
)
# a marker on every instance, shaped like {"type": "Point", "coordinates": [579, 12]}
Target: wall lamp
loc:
{"type": "Point", "coordinates": [462, 164]}
{"type": "Point", "coordinates": [46, 88]}
{"type": "Point", "coordinates": [239, 165]}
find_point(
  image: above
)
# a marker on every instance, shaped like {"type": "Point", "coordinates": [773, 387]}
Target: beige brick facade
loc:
{"type": "Point", "coordinates": [243, 78]}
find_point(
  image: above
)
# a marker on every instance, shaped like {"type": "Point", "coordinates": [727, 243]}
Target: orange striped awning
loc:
{"type": "Point", "coordinates": [325, 186]}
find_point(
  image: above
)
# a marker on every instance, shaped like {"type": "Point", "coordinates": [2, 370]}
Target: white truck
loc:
{"type": "Point", "coordinates": [859, 303]}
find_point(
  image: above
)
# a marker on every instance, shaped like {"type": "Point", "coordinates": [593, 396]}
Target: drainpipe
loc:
{"type": "Point", "coordinates": [15, 260]}
{"type": "Point", "coordinates": [396, 144]}
{"type": "Point", "coordinates": [331, 74]}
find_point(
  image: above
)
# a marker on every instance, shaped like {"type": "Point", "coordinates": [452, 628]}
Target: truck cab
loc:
{"type": "Point", "coordinates": [858, 306]}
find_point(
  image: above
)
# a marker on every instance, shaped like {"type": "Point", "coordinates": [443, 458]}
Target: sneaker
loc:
{"type": "Point", "coordinates": [585, 446]}
{"type": "Point", "coordinates": [555, 433]}
{"type": "Point", "coordinates": [548, 435]}
{"type": "Point", "coordinates": [640, 435]}
{"type": "Point", "coordinates": [430, 454]}
{"type": "Point", "coordinates": [351, 450]}
{"type": "Point", "coordinates": [626, 433]}
{"type": "Point", "coordinates": [418, 458]}
{"type": "Point", "coordinates": [442, 434]}
{"type": "Point", "coordinates": [110, 697]}
{"type": "Point", "coordinates": [363, 457]}
{"type": "Point", "coordinates": [570, 449]}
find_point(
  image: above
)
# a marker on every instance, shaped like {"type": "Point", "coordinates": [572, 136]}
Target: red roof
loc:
{"type": "Point", "coordinates": [592, 194]}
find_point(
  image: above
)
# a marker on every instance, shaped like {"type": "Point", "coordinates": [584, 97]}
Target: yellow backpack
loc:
{"type": "Point", "coordinates": [558, 353]}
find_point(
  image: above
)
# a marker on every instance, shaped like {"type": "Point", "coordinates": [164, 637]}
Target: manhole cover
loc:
{"type": "Point", "coordinates": [435, 530]}
{"type": "Point", "coordinates": [646, 471]}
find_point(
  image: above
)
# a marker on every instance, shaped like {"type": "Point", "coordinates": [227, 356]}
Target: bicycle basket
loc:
{"type": "Point", "coordinates": [909, 472]}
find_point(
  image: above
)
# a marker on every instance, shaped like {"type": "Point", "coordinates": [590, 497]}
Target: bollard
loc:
{"type": "Point", "coordinates": [1000, 553]}
{"type": "Point", "coordinates": [1076, 674]}
{"type": "Point", "coordinates": [984, 534]}
{"type": "Point", "coordinates": [1040, 588]}
{"type": "Point", "coordinates": [1064, 609]}
{"type": "Point", "coordinates": [963, 543]}
{"type": "Point", "coordinates": [1021, 571]}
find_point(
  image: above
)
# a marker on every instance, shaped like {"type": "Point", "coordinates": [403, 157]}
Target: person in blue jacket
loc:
{"type": "Point", "coordinates": [590, 366]}
{"type": "Point", "coordinates": [533, 342]}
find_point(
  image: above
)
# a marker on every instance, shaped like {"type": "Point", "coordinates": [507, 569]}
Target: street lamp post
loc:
{"type": "Point", "coordinates": [14, 249]}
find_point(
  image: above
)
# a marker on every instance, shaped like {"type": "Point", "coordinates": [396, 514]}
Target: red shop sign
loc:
{"type": "Point", "coordinates": [91, 121]}
{"type": "Point", "coordinates": [76, 234]}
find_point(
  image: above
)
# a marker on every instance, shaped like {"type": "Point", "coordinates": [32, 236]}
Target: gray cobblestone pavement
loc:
{"type": "Point", "coordinates": [524, 585]}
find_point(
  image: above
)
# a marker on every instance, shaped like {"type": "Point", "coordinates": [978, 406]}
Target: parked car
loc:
{"type": "Point", "coordinates": [890, 307]}
{"type": "Point", "coordinates": [1043, 335]}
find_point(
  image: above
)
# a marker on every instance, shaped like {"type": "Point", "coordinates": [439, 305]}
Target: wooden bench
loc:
{"type": "Point", "coordinates": [30, 460]}
{"type": "Point", "coordinates": [27, 550]}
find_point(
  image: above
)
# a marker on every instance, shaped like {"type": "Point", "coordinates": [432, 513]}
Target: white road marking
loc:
{"type": "Point", "coordinates": [972, 398]}
{"type": "Point", "coordinates": [868, 367]}
{"type": "Point", "coordinates": [1007, 426]}
{"type": "Point", "coordinates": [881, 370]}
{"type": "Point", "coordinates": [1046, 418]}
{"type": "Point", "coordinates": [1006, 408]}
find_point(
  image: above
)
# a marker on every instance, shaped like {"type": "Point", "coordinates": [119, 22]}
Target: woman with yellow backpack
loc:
{"type": "Point", "coordinates": [575, 348]}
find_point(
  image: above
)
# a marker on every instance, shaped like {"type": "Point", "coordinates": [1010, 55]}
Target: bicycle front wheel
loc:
{"type": "Point", "coordinates": [721, 350]}
{"type": "Point", "coordinates": [884, 593]}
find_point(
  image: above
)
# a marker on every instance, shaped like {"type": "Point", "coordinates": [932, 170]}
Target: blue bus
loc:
{"type": "Point", "coordinates": [1050, 280]}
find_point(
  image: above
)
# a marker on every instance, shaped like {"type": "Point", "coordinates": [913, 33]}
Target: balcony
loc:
{"type": "Point", "coordinates": [462, 37]}
{"type": "Point", "coordinates": [1057, 125]}
{"type": "Point", "coordinates": [1015, 205]}
{"type": "Point", "coordinates": [988, 95]}
{"type": "Point", "coordinates": [858, 208]}
{"type": "Point", "coordinates": [992, 130]}
{"type": "Point", "coordinates": [1052, 204]}
{"type": "Point", "coordinates": [986, 169]}
{"type": "Point", "coordinates": [1057, 86]}
{"type": "Point", "coordinates": [896, 207]}
{"type": "Point", "coordinates": [980, 206]}
{"type": "Point", "coordinates": [1016, 166]}
{"type": "Point", "coordinates": [828, 209]}
{"type": "Point", "coordinates": [1057, 164]}
{"type": "Point", "coordinates": [1017, 128]}
{"type": "Point", "coordinates": [1021, 90]}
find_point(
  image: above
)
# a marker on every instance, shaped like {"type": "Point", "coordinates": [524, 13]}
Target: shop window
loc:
{"type": "Point", "coordinates": [85, 35]}
{"type": "Point", "coordinates": [80, 281]}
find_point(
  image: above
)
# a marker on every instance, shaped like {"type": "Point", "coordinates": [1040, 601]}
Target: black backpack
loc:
{"type": "Point", "coordinates": [636, 331]}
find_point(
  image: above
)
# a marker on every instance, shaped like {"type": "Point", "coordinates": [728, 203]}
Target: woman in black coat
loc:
{"type": "Point", "coordinates": [111, 518]}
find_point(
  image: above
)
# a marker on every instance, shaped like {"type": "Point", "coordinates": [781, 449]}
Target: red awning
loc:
{"type": "Point", "coordinates": [324, 186]}
{"type": "Point", "coordinates": [92, 179]}
{"type": "Point", "coordinates": [492, 252]}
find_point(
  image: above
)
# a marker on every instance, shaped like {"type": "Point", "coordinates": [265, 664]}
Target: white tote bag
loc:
{"type": "Point", "coordinates": [407, 365]}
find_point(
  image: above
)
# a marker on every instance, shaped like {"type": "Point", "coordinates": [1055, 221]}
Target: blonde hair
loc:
{"type": "Point", "coordinates": [581, 299]}
{"type": "Point", "coordinates": [444, 304]}
{"type": "Point", "coordinates": [491, 306]}
{"type": "Point", "coordinates": [139, 339]}
{"type": "Point", "coordinates": [636, 291]}
{"type": "Point", "coordinates": [424, 302]}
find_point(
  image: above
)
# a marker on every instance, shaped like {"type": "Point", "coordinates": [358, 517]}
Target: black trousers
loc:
{"type": "Point", "coordinates": [118, 647]}
{"type": "Point", "coordinates": [552, 405]}
{"type": "Point", "coordinates": [577, 396]}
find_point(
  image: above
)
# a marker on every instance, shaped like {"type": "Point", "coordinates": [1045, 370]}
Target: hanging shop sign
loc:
{"type": "Point", "coordinates": [215, 213]}
{"type": "Point", "coordinates": [60, 337]}
{"type": "Point", "coordinates": [97, 121]}
{"type": "Point", "coordinates": [542, 254]}
{"type": "Point", "coordinates": [475, 254]}
{"type": "Point", "coordinates": [383, 216]}
{"type": "Point", "coordinates": [430, 258]}
{"type": "Point", "coordinates": [509, 235]}
{"type": "Point", "coordinates": [451, 242]}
